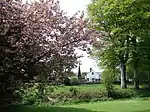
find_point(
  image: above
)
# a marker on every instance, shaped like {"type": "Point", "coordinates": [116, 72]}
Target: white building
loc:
{"type": "Point", "coordinates": [93, 76]}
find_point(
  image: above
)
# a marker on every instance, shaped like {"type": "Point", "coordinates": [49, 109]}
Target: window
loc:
{"type": "Point", "coordinates": [97, 80]}
{"type": "Point", "coordinates": [93, 79]}
{"type": "Point", "coordinates": [87, 79]}
{"type": "Point", "coordinates": [92, 73]}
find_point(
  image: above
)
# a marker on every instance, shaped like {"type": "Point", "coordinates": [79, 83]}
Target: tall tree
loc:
{"type": "Point", "coordinates": [35, 33]}
{"type": "Point", "coordinates": [124, 22]}
{"type": "Point", "coordinates": [139, 19]}
{"type": "Point", "coordinates": [106, 17]}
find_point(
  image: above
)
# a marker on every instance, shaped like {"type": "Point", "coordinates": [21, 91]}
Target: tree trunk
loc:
{"type": "Point", "coordinates": [136, 80]}
{"type": "Point", "coordinates": [123, 76]}
{"type": "Point", "coordinates": [149, 80]}
{"type": "Point", "coordinates": [135, 63]}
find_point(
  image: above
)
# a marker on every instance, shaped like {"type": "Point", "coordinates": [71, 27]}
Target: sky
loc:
{"type": "Point", "coordinates": [87, 62]}
{"type": "Point", "coordinates": [71, 7]}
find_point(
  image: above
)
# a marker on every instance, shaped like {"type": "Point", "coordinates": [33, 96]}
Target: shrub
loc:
{"type": "Point", "coordinates": [126, 93]}
{"type": "Point", "coordinates": [84, 96]}
{"type": "Point", "coordinates": [76, 96]}
{"type": "Point", "coordinates": [74, 81]}
{"type": "Point", "coordinates": [108, 77]}
{"type": "Point", "coordinates": [70, 81]}
{"type": "Point", "coordinates": [73, 91]}
{"type": "Point", "coordinates": [38, 94]}
{"type": "Point", "coordinates": [29, 95]}
{"type": "Point", "coordinates": [35, 94]}
{"type": "Point", "coordinates": [67, 81]}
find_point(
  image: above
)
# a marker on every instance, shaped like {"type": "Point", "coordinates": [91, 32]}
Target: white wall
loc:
{"type": "Point", "coordinates": [90, 76]}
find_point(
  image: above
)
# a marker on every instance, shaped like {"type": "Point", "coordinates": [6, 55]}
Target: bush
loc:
{"type": "Point", "coordinates": [73, 91]}
{"type": "Point", "coordinates": [126, 93]}
{"type": "Point", "coordinates": [67, 81]}
{"type": "Point", "coordinates": [29, 95]}
{"type": "Point", "coordinates": [35, 94]}
{"type": "Point", "coordinates": [108, 77]}
{"type": "Point", "coordinates": [71, 81]}
{"type": "Point", "coordinates": [74, 81]}
{"type": "Point", "coordinates": [76, 96]}
{"type": "Point", "coordinates": [84, 96]}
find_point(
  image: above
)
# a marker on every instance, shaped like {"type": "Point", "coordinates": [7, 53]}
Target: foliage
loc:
{"type": "Point", "coordinates": [32, 96]}
{"type": "Point", "coordinates": [74, 80]}
{"type": "Point", "coordinates": [122, 94]}
{"type": "Point", "coordinates": [71, 81]}
{"type": "Point", "coordinates": [108, 78]}
{"type": "Point", "coordinates": [37, 40]}
{"type": "Point", "coordinates": [76, 96]}
{"type": "Point", "coordinates": [67, 81]}
{"type": "Point", "coordinates": [29, 95]}
{"type": "Point", "coordinates": [73, 91]}
{"type": "Point", "coordinates": [122, 27]}
{"type": "Point", "coordinates": [108, 58]}
{"type": "Point", "coordinates": [113, 44]}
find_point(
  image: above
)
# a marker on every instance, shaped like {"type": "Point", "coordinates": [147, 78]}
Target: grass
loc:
{"type": "Point", "coordinates": [84, 87]}
{"type": "Point", "coordinates": [48, 109]}
{"type": "Point", "coordinates": [108, 106]}
{"type": "Point", "coordinates": [79, 94]}
{"type": "Point", "coordinates": [118, 106]}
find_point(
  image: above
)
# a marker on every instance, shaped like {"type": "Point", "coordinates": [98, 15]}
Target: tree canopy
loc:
{"type": "Point", "coordinates": [124, 24]}
{"type": "Point", "coordinates": [37, 35]}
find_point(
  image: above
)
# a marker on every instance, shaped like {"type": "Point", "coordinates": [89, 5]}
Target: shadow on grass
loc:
{"type": "Point", "coordinates": [143, 93]}
{"type": "Point", "coordinates": [48, 109]}
{"type": "Point", "coordinates": [143, 111]}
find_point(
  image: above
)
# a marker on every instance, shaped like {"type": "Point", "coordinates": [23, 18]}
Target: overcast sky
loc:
{"type": "Point", "coordinates": [72, 6]}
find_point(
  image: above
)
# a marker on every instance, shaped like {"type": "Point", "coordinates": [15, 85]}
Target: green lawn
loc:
{"type": "Point", "coordinates": [117, 106]}
{"type": "Point", "coordinates": [84, 87]}
{"type": "Point", "coordinates": [108, 106]}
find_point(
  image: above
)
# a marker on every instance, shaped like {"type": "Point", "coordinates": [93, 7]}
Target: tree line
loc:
{"type": "Point", "coordinates": [38, 41]}
{"type": "Point", "coordinates": [124, 37]}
